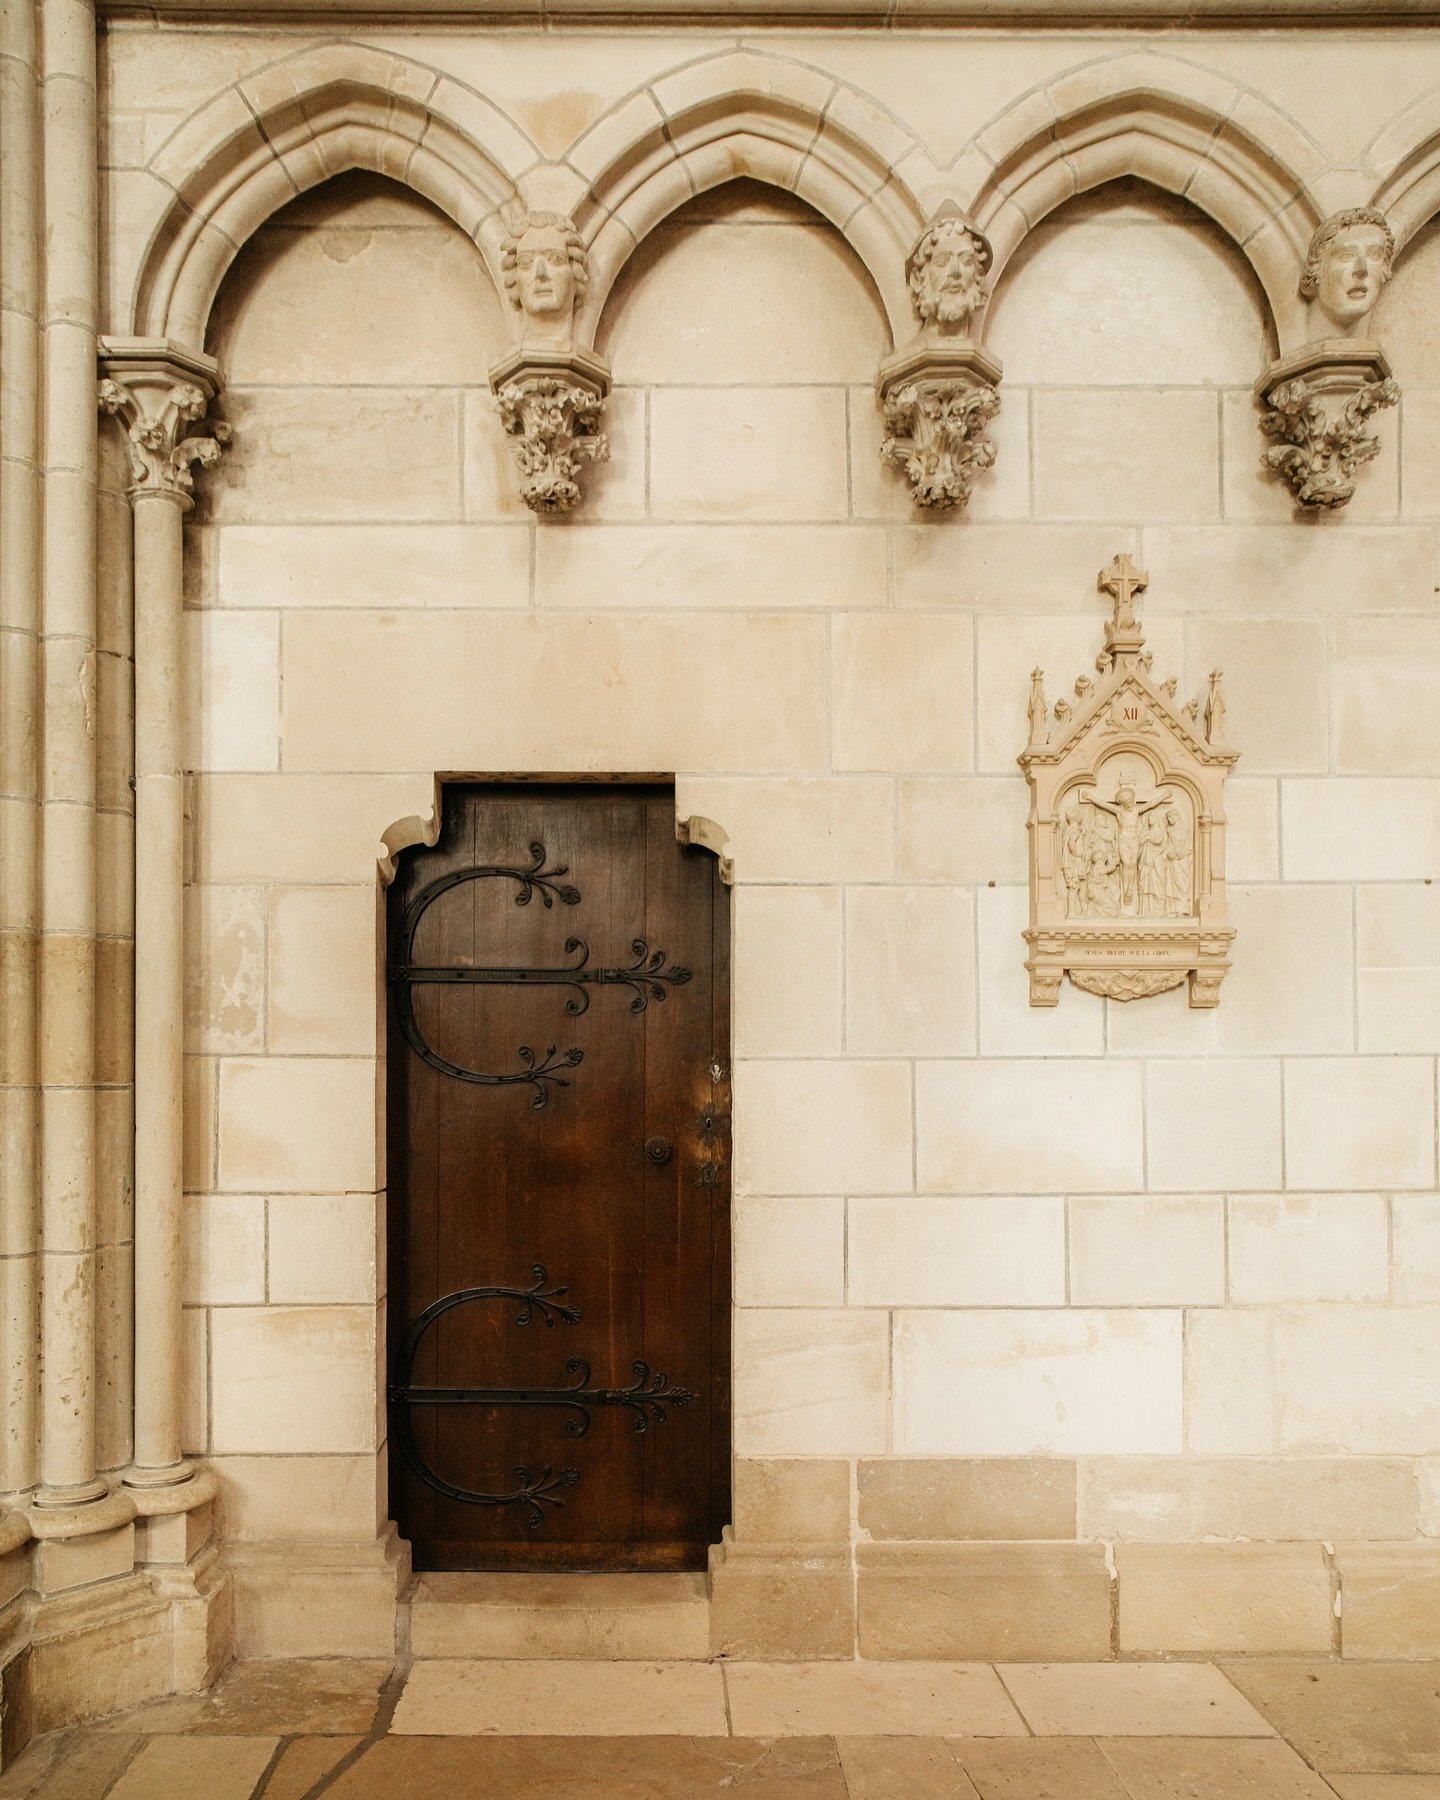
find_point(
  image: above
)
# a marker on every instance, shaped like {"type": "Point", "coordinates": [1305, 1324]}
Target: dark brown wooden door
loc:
{"type": "Point", "coordinates": [559, 1182]}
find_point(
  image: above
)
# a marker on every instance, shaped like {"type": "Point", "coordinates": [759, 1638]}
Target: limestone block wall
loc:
{"type": "Point", "coordinates": [1085, 1292]}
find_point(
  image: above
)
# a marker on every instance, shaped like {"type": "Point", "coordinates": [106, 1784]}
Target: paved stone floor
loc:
{"type": "Point", "coordinates": [815, 1731]}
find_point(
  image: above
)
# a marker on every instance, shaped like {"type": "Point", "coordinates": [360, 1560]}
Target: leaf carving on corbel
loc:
{"type": "Point", "coordinates": [1127, 984]}
{"type": "Point", "coordinates": [1321, 447]}
{"type": "Point", "coordinates": [935, 435]}
{"type": "Point", "coordinates": [553, 427]}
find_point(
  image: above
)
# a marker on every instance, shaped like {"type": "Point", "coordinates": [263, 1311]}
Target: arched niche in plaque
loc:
{"type": "Point", "coordinates": [1127, 825]}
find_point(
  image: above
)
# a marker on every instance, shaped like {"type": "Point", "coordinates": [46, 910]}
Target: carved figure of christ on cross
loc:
{"type": "Point", "coordinates": [1130, 814]}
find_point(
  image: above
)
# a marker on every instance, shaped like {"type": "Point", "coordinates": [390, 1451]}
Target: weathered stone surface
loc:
{"type": "Point", "coordinates": [1390, 1600]}
{"type": "Point", "coordinates": [1224, 1599]}
{"type": "Point", "coordinates": [775, 1602]}
{"type": "Point", "coordinates": [967, 1497]}
{"type": "Point", "coordinates": [791, 1500]}
{"type": "Point", "coordinates": [983, 1602]}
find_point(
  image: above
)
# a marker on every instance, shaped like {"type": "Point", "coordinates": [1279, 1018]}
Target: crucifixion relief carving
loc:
{"type": "Point", "coordinates": [1127, 825]}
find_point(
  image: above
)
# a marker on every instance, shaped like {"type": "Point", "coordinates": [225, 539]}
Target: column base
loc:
{"type": "Point", "coordinates": [80, 1493]}
{"type": "Point", "coordinates": [114, 1644]}
{"type": "Point", "coordinates": [168, 1475]}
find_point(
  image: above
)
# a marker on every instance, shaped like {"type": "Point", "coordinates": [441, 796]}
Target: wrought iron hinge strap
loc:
{"type": "Point", "coordinates": [648, 1397]}
{"type": "Point", "coordinates": [647, 977]}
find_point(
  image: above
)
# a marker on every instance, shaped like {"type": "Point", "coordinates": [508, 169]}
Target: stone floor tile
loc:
{"type": "Point", "coordinates": [178, 1713]}
{"type": "Point", "coordinates": [1130, 1700]}
{"type": "Point", "coordinates": [1212, 1769]}
{"type": "Point", "coordinates": [21, 1776]}
{"type": "Point", "coordinates": [303, 1762]}
{"type": "Point", "coordinates": [629, 1768]}
{"type": "Point", "coordinates": [1386, 1787]}
{"type": "Point", "coordinates": [899, 1699]}
{"type": "Point", "coordinates": [209, 1768]}
{"type": "Point", "coordinates": [891, 1768]}
{"type": "Point", "coordinates": [1039, 1769]}
{"type": "Point", "coordinates": [68, 1765]}
{"type": "Point", "coordinates": [562, 1699]}
{"type": "Point", "coordinates": [293, 1697]}
{"type": "Point", "coordinates": [1363, 1718]}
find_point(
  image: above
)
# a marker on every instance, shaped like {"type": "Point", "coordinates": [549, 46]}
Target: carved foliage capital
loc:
{"type": "Point", "coordinates": [163, 415]}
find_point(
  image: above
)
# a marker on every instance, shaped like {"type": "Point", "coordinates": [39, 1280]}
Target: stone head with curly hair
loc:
{"type": "Point", "coordinates": [545, 272]}
{"type": "Point", "coordinates": [1347, 265]}
{"type": "Point", "coordinates": [946, 271]}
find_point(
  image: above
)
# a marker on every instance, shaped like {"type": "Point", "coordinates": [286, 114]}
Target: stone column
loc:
{"type": "Point", "coordinates": [160, 391]}
{"type": "Point", "coordinates": [68, 760]}
{"type": "Point", "coordinates": [20, 514]}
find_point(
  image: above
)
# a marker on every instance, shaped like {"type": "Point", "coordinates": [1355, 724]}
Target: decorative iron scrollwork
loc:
{"type": "Point", "coordinates": [648, 1398]}
{"type": "Point", "coordinates": [647, 977]}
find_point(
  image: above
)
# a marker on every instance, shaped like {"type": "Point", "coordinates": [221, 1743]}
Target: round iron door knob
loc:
{"type": "Point", "coordinates": [659, 1150]}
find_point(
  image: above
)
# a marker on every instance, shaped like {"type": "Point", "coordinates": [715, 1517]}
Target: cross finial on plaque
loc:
{"type": "Point", "coordinates": [1124, 581]}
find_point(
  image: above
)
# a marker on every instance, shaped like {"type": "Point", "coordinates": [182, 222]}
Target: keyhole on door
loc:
{"type": "Point", "coordinates": [659, 1150]}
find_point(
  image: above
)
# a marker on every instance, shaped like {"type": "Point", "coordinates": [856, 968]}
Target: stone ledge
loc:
{"type": "Point", "coordinates": [781, 1602]}
{"type": "Point", "coordinates": [997, 1602]}
{"type": "Point", "coordinates": [601, 1617]}
{"type": "Point", "coordinates": [318, 1598]}
{"type": "Point", "coordinates": [1389, 1601]}
{"type": "Point", "coordinates": [1224, 1600]}
{"type": "Point", "coordinates": [1168, 13]}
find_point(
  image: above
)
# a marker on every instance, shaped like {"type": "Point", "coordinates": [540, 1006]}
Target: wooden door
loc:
{"type": "Point", "coordinates": [559, 1184]}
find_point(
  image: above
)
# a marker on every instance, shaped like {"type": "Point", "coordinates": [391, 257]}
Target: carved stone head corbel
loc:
{"type": "Point", "coordinates": [549, 390]}
{"type": "Point", "coordinates": [939, 393]}
{"type": "Point", "coordinates": [1346, 268]}
{"type": "Point", "coordinates": [1318, 399]}
{"type": "Point", "coordinates": [546, 272]}
{"type": "Point", "coordinates": [947, 271]}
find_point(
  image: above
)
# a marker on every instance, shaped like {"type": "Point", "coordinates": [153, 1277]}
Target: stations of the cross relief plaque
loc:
{"type": "Point", "coordinates": [1127, 825]}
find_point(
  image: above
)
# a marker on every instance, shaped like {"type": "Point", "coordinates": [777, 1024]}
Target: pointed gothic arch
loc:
{"type": "Point", "coordinates": [747, 113]}
{"type": "Point", "coordinates": [1405, 159]}
{"type": "Point", "coordinates": [297, 122]}
{"type": "Point", "coordinates": [1184, 129]}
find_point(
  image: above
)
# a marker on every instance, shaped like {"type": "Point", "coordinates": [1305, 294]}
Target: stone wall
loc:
{"type": "Point", "coordinates": [1036, 1308]}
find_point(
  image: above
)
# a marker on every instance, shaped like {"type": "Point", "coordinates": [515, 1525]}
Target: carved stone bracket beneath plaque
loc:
{"type": "Point", "coordinates": [1318, 403]}
{"type": "Point", "coordinates": [937, 400]}
{"type": "Point", "coordinates": [550, 402]}
{"type": "Point", "coordinates": [1127, 826]}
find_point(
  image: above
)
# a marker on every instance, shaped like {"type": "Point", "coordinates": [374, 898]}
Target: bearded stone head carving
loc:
{"type": "Point", "coordinates": [545, 271]}
{"type": "Point", "coordinates": [946, 271]}
{"type": "Point", "coordinates": [1348, 264]}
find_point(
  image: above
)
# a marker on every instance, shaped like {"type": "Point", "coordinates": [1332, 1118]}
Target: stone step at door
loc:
{"type": "Point", "coordinates": [604, 1617]}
